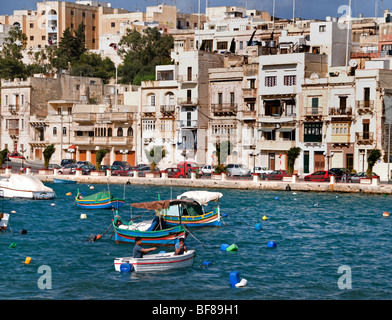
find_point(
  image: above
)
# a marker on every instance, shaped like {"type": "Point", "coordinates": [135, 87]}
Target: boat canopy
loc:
{"type": "Point", "coordinates": [99, 196]}
{"type": "Point", "coordinates": [162, 204]}
{"type": "Point", "coordinates": [201, 197]}
{"type": "Point", "coordinates": [27, 183]}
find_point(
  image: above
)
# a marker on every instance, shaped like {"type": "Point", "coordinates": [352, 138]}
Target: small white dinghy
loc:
{"type": "Point", "coordinates": [4, 218]}
{"type": "Point", "coordinates": [155, 262]}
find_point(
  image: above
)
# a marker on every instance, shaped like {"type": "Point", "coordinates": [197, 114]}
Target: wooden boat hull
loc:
{"type": "Point", "coordinates": [158, 262]}
{"type": "Point", "coordinates": [101, 204]}
{"type": "Point", "coordinates": [165, 237]}
{"type": "Point", "coordinates": [205, 220]}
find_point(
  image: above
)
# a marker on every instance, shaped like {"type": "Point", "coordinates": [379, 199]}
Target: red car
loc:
{"type": "Point", "coordinates": [119, 171]}
{"type": "Point", "coordinates": [319, 176]}
{"type": "Point", "coordinates": [16, 155]}
{"type": "Point", "coordinates": [276, 175]}
{"type": "Point", "coordinates": [173, 172]}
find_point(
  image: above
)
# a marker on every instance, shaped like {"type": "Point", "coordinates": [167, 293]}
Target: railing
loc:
{"type": "Point", "coordinates": [249, 92]}
{"type": "Point", "coordinates": [187, 123]}
{"type": "Point", "coordinates": [88, 117]}
{"type": "Point", "coordinates": [187, 101]}
{"type": "Point", "coordinates": [168, 108]}
{"type": "Point", "coordinates": [148, 109]}
{"type": "Point", "coordinates": [224, 108]}
{"type": "Point", "coordinates": [364, 137]}
{"type": "Point", "coordinates": [365, 106]}
{"type": "Point", "coordinates": [13, 108]}
{"type": "Point", "coordinates": [311, 111]}
{"type": "Point", "coordinates": [13, 132]}
{"type": "Point", "coordinates": [335, 111]}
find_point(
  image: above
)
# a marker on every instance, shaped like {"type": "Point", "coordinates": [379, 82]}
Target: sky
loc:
{"type": "Point", "coordinates": [307, 9]}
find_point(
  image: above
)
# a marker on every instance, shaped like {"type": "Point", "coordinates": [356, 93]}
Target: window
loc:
{"type": "Point", "coordinates": [340, 128]}
{"type": "Point", "coordinates": [110, 132]}
{"type": "Point", "coordinates": [31, 25]}
{"type": "Point", "coordinates": [148, 125]}
{"type": "Point", "coordinates": [152, 100]}
{"type": "Point", "coordinates": [167, 125]}
{"type": "Point", "coordinates": [313, 132]}
{"type": "Point", "coordinates": [72, 13]}
{"type": "Point", "coordinates": [113, 24]}
{"type": "Point", "coordinates": [93, 15]}
{"type": "Point", "coordinates": [270, 81]}
{"type": "Point", "coordinates": [290, 80]}
{"type": "Point", "coordinates": [119, 132]}
{"type": "Point", "coordinates": [322, 28]}
{"type": "Point", "coordinates": [31, 37]}
{"type": "Point", "coordinates": [252, 83]}
{"type": "Point", "coordinates": [83, 14]}
{"type": "Point", "coordinates": [232, 98]}
{"type": "Point", "coordinates": [43, 37]}
{"type": "Point", "coordinates": [130, 132]}
{"type": "Point", "coordinates": [54, 131]}
{"type": "Point", "coordinates": [64, 131]}
{"type": "Point", "coordinates": [221, 45]}
{"type": "Point", "coordinates": [219, 98]}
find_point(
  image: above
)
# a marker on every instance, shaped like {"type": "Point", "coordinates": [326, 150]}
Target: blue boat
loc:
{"type": "Point", "coordinates": [64, 181]}
{"type": "Point", "coordinates": [99, 200]}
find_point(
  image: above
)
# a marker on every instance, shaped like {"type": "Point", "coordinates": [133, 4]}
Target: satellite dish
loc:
{"type": "Point", "coordinates": [353, 63]}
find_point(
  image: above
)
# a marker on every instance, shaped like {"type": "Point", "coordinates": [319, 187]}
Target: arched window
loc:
{"type": "Point", "coordinates": [110, 132]}
{"type": "Point", "coordinates": [119, 132]}
{"type": "Point", "coordinates": [54, 131]}
{"type": "Point", "coordinates": [130, 132]}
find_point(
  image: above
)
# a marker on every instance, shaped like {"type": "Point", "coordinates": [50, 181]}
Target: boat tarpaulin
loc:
{"type": "Point", "coordinates": [162, 204]}
{"type": "Point", "coordinates": [201, 197]}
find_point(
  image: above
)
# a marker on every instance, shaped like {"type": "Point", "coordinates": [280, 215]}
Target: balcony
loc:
{"type": "Point", "coordinates": [249, 93]}
{"type": "Point", "coordinates": [365, 106]}
{"type": "Point", "coordinates": [168, 110]}
{"type": "Point", "coordinates": [274, 145]}
{"type": "Point", "coordinates": [51, 29]}
{"type": "Point", "coordinates": [188, 79]}
{"type": "Point", "coordinates": [115, 116]}
{"type": "Point", "coordinates": [103, 141]}
{"type": "Point", "coordinates": [334, 111]}
{"type": "Point", "coordinates": [364, 138]}
{"type": "Point", "coordinates": [187, 123]}
{"type": "Point", "coordinates": [313, 113]}
{"type": "Point", "coordinates": [224, 109]}
{"type": "Point", "coordinates": [13, 109]}
{"type": "Point", "coordinates": [148, 110]}
{"type": "Point", "coordinates": [13, 132]}
{"type": "Point", "coordinates": [187, 101]}
{"type": "Point", "coordinates": [249, 115]}
{"type": "Point", "coordinates": [84, 117]}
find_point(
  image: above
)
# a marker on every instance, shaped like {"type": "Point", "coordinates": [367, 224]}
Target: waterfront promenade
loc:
{"type": "Point", "coordinates": [369, 186]}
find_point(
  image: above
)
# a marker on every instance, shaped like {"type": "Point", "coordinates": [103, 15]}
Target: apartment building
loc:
{"type": "Point", "coordinates": [37, 112]}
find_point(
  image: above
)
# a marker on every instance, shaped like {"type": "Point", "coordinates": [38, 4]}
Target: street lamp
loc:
{"type": "Point", "coordinates": [254, 155]}
{"type": "Point", "coordinates": [328, 156]}
{"type": "Point", "coordinates": [124, 152]}
{"type": "Point", "coordinates": [22, 151]}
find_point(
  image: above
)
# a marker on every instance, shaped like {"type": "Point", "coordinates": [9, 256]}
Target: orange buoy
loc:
{"type": "Point", "coordinates": [98, 237]}
{"type": "Point", "coordinates": [385, 214]}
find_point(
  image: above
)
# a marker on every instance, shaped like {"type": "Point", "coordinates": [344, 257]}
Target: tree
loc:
{"type": "Point", "coordinates": [141, 52]}
{"type": "Point", "coordinates": [48, 152]}
{"type": "Point", "coordinates": [155, 155]}
{"type": "Point", "coordinates": [3, 155]}
{"type": "Point", "coordinates": [292, 155]}
{"type": "Point", "coordinates": [373, 157]}
{"type": "Point", "coordinates": [101, 153]}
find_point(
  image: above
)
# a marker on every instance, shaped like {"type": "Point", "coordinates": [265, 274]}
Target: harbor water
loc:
{"type": "Point", "coordinates": [332, 246]}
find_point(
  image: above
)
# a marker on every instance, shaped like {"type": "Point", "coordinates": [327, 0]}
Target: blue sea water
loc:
{"type": "Point", "coordinates": [315, 233]}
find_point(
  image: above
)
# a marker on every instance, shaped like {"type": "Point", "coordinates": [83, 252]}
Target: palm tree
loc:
{"type": "Point", "coordinates": [373, 157]}
{"type": "Point", "coordinates": [155, 155]}
{"type": "Point", "coordinates": [101, 153]}
{"type": "Point", "coordinates": [48, 152]}
{"type": "Point", "coordinates": [292, 155]}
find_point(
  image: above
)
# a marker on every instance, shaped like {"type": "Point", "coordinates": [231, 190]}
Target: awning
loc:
{"type": "Point", "coordinates": [267, 129]}
{"type": "Point", "coordinates": [201, 197]}
{"type": "Point", "coordinates": [285, 129]}
{"type": "Point", "coordinates": [163, 204]}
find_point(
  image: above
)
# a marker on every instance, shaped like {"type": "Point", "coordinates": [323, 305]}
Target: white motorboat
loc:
{"type": "Point", "coordinates": [24, 186]}
{"type": "Point", "coordinates": [155, 262]}
{"type": "Point", "coordinates": [4, 218]}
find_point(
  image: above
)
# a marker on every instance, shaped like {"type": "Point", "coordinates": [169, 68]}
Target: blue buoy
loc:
{"type": "Point", "coordinates": [224, 215]}
{"type": "Point", "coordinates": [271, 244]}
{"type": "Point", "coordinates": [258, 226]}
{"type": "Point", "coordinates": [234, 278]}
{"type": "Point", "coordinates": [206, 263]}
{"type": "Point", "coordinates": [224, 246]}
{"type": "Point", "coordinates": [126, 267]}
{"type": "Point", "coordinates": [276, 198]}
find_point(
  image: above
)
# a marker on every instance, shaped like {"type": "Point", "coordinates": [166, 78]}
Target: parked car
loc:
{"type": "Point", "coordinates": [68, 169]}
{"type": "Point", "coordinates": [173, 172]}
{"type": "Point", "coordinates": [262, 170]}
{"type": "Point", "coordinates": [103, 167]}
{"type": "Point", "coordinates": [125, 165]}
{"type": "Point", "coordinates": [15, 155]}
{"type": "Point", "coordinates": [143, 170]}
{"type": "Point", "coordinates": [118, 171]}
{"type": "Point", "coordinates": [276, 175]}
{"type": "Point", "coordinates": [320, 176]}
{"type": "Point", "coordinates": [87, 168]}
{"type": "Point", "coordinates": [67, 161]}
{"type": "Point", "coordinates": [339, 172]}
{"type": "Point", "coordinates": [186, 167]}
{"type": "Point", "coordinates": [361, 175]}
{"type": "Point", "coordinates": [238, 169]}
{"type": "Point", "coordinates": [53, 166]}
{"type": "Point", "coordinates": [206, 170]}
{"type": "Point", "coordinates": [79, 164]}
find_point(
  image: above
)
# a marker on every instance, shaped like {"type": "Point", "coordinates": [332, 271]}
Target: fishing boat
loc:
{"type": "Point", "coordinates": [24, 186]}
{"type": "Point", "coordinates": [4, 218]}
{"type": "Point", "coordinates": [156, 262]}
{"type": "Point", "coordinates": [154, 231]}
{"type": "Point", "coordinates": [191, 213]}
{"type": "Point", "coordinates": [64, 181]}
{"type": "Point", "coordinates": [99, 200]}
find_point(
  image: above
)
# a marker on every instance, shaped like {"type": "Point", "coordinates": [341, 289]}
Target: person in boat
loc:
{"type": "Point", "coordinates": [138, 250]}
{"type": "Point", "coordinates": [180, 247]}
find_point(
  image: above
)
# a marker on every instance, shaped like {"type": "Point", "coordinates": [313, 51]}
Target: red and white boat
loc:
{"type": "Point", "coordinates": [155, 262]}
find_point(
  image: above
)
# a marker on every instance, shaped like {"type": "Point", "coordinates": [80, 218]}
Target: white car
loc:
{"type": "Point", "coordinates": [238, 169]}
{"type": "Point", "coordinates": [261, 170]}
{"type": "Point", "coordinates": [206, 169]}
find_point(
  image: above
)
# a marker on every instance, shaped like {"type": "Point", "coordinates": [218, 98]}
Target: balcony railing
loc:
{"type": "Point", "coordinates": [168, 109]}
{"type": "Point", "coordinates": [84, 117]}
{"type": "Point", "coordinates": [13, 132]}
{"type": "Point", "coordinates": [365, 106]}
{"type": "Point", "coordinates": [118, 141]}
{"type": "Point", "coordinates": [224, 108]}
{"type": "Point", "coordinates": [187, 123]}
{"type": "Point", "coordinates": [313, 112]}
{"type": "Point", "coordinates": [148, 109]}
{"type": "Point", "coordinates": [187, 101]}
{"type": "Point", "coordinates": [335, 111]}
{"type": "Point", "coordinates": [12, 108]}
{"type": "Point", "coordinates": [364, 137]}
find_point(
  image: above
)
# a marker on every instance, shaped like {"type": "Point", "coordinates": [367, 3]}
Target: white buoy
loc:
{"type": "Point", "coordinates": [13, 211]}
{"type": "Point", "coordinates": [242, 283]}
{"type": "Point", "coordinates": [83, 216]}
{"type": "Point", "coordinates": [91, 187]}
{"type": "Point", "coordinates": [53, 204]}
